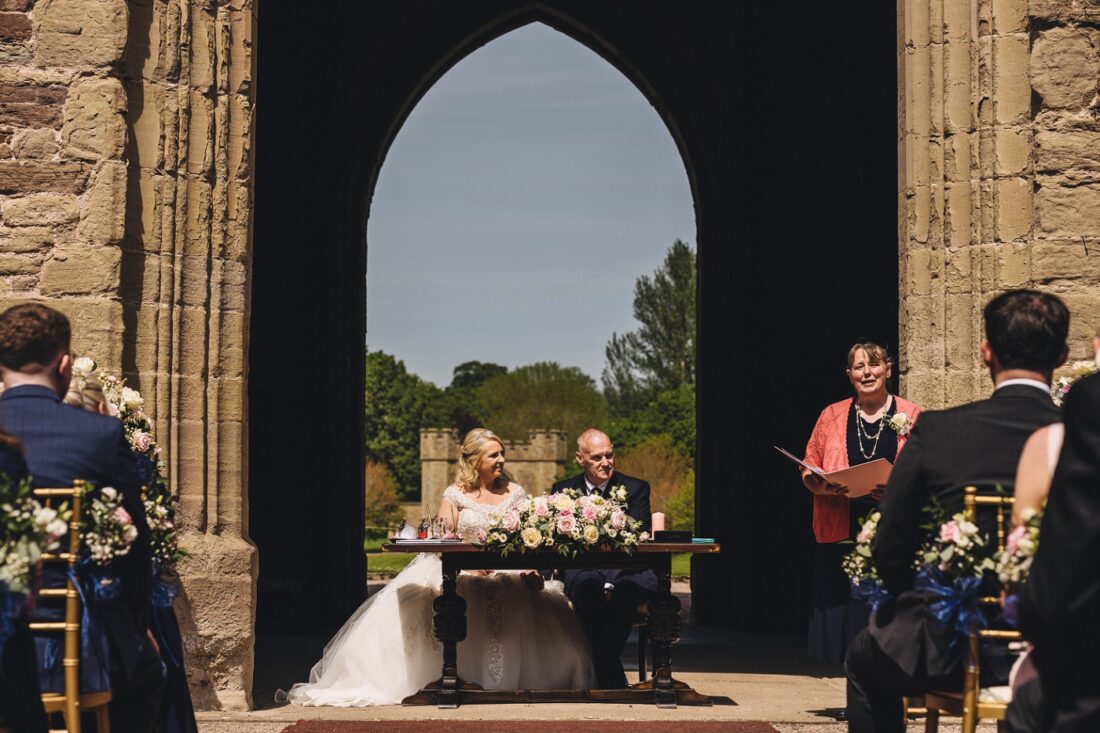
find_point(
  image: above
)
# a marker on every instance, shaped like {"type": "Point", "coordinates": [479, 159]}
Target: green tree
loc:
{"type": "Point", "coordinates": [398, 405]}
{"type": "Point", "coordinates": [670, 413]}
{"type": "Point", "coordinates": [541, 395]}
{"type": "Point", "coordinates": [383, 507]}
{"type": "Point", "coordinates": [660, 354]}
{"type": "Point", "coordinates": [465, 410]}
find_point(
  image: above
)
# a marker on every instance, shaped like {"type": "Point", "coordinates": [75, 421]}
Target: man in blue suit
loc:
{"type": "Point", "coordinates": [607, 601]}
{"type": "Point", "coordinates": [62, 444]}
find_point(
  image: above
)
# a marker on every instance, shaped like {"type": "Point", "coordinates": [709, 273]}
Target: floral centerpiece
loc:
{"type": "Point", "coordinates": [1077, 370]}
{"type": "Point", "coordinates": [951, 567]}
{"type": "Point", "coordinates": [27, 529]}
{"type": "Point", "coordinates": [566, 522]}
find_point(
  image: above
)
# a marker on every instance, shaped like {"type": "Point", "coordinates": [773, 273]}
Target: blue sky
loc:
{"type": "Point", "coordinates": [524, 195]}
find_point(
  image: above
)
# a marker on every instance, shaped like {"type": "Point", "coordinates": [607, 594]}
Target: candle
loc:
{"type": "Point", "coordinates": [658, 522]}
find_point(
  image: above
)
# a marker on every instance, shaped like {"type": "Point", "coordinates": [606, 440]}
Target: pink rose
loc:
{"type": "Point", "coordinates": [865, 534]}
{"type": "Point", "coordinates": [142, 440]}
{"type": "Point", "coordinates": [618, 519]}
{"type": "Point", "coordinates": [566, 523]}
{"type": "Point", "coordinates": [949, 532]}
{"type": "Point", "coordinates": [481, 536]}
{"type": "Point", "coordinates": [589, 513]}
{"type": "Point", "coordinates": [542, 508]}
{"type": "Point", "coordinates": [510, 521]}
{"type": "Point", "coordinates": [1012, 544]}
{"type": "Point", "coordinates": [122, 516]}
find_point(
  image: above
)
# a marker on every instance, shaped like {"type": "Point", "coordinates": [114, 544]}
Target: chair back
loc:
{"type": "Point", "coordinates": [70, 627]}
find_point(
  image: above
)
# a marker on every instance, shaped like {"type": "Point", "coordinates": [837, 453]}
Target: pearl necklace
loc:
{"type": "Point", "coordinates": [861, 432]}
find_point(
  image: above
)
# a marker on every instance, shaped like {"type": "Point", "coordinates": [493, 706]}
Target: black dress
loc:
{"type": "Point", "coordinates": [837, 617]}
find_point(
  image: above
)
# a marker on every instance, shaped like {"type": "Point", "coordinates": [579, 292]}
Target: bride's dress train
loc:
{"type": "Point", "coordinates": [516, 638]}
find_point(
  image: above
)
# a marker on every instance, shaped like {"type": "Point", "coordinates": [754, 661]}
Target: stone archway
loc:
{"type": "Point", "coordinates": [127, 168]}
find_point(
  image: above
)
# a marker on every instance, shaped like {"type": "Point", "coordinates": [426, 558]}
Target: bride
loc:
{"type": "Point", "coordinates": [520, 635]}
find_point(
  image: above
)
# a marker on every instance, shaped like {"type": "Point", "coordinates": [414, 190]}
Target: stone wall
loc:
{"type": "Point", "coordinates": [534, 463]}
{"type": "Point", "coordinates": [998, 186]}
{"type": "Point", "coordinates": [125, 202]}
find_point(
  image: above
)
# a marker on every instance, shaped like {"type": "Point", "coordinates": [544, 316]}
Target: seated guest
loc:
{"type": "Point", "coordinates": [20, 697]}
{"type": "Point", "coordinates": [1060, 602]}
{"type": "Point", "coordinates": [904, 652]}
{"type": "Point", "coordinates": [607, 601]}
{"type": "Point", "coordinates": [848, 433]}
{"type": "Point", "coordinates": [62, 444]}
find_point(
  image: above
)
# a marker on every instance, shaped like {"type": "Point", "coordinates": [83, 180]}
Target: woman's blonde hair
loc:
{"type": "Point", "coordinates": [473, 446]}
{"type": "Point", "coordinates": [874, 351]}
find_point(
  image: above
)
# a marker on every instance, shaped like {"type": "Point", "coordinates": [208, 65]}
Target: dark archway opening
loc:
{"type": "Point", "coordinates": [787, 128]}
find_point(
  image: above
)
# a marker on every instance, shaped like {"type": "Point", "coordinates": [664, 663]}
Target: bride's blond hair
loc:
{"type": "Point", "coordinates": [473, 446]}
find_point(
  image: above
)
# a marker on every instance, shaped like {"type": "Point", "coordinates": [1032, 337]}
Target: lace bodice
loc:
{"type": "Point", "coordinates": [473, 515]}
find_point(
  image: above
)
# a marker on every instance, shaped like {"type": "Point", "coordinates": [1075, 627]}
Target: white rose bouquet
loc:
{"type": "Point", "coordinates": [27, 529]}
{"type": "Point", "coordinates": [108, 529]}
{"type": "Point", "coordinates": [566, 523]}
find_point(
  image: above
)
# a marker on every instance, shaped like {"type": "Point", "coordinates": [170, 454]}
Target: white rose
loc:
{"type": "Point", "coordinates": [591, 534]}
{"type": "Point", "coordinates": [43, 516]}
{"type": "Point", "coordinates": [531, 537]}
{"type": "Point", "coordinates": [83, 366]}
{"type": "Point", "coordinates": [108, 493]}
{"type": "Point", "coordinates": [132, 399]}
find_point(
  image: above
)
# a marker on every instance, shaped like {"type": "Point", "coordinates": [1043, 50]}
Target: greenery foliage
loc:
{"type": "Point", "coordinates": [541, 395]}
{"type": "Point", "coordinates": [383, 506]}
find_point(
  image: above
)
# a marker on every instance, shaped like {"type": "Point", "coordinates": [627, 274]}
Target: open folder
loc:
{"type": "Point", "coordinates": [860, 480]}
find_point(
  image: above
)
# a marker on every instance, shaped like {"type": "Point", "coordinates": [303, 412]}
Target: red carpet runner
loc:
{"type": "Point", "coordinates": [526, 726]}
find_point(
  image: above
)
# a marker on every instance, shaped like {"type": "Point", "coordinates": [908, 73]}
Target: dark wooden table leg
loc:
{"type": "Point", "coordinates": [450, 628]}
{"type": "Point", "coordinates": [664, 630]}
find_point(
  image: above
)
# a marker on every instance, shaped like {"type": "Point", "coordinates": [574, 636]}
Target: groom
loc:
{"type": "Point", "coordinates": [606, 601]}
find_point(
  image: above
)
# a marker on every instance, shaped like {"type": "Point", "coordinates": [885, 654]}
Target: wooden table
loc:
{"type": "Point", "coordinates": [450, 622]}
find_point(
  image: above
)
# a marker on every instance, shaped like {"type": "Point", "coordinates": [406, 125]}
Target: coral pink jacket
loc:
{"type": "Point", "coordinates": [828, 449]}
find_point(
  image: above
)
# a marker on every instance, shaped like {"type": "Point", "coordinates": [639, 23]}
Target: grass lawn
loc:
{"type": "Point", "coordinates": [390, 563]}
{"type": "Point", "coordinates": [395, 562]}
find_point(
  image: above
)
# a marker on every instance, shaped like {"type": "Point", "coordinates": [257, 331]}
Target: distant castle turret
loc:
{"type": "Point", "coordinates": [533, 463]}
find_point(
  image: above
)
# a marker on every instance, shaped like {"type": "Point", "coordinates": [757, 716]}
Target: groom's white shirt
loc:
{"type": "Point", "coordinates": [593, 488]}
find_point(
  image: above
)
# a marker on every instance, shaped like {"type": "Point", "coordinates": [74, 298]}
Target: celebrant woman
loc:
{"type": "Point", "coordinates": [520, 634]}
{"type": "Point", "coordinates": [873, 424]}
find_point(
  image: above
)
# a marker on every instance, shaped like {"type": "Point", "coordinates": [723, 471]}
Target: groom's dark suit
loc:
{"type": "Point", "coordinates": [1060, 603]}
{"type": "Point", "coordinates": [607, 622]}
{"type": "Point", "coordinates": [61, 444]}
{"type": "Point", "coordinates": [903, 650]}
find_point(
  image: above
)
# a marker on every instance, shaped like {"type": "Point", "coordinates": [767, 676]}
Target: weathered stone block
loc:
{"type": "Point", "coordinates": [14, 27]}
{"type": "Point", "coordinates": [1013, 151]}
{"type": "Point", "coordinates": [1009, 16]}
{"type": "Point", "coordinates": [31, 105]}
{"type": "Point", "coordinates": [1013, 266]}
{"type": "Point", "coordinates": [95, 126]}
{"type": "Point", "coordinates": [1011, 91]}
{"type": "Point", "coordinates": [25, 239]}
{"type": "Point", "coordinates": [1014, 209]}
{"type": "Point", "coordinates": [1075, 259]}
{"type": "Point", "coordinates": [1068, 210]}
{"type": "Point", "coordinates": [97, 326]}
{"type": "Point", "coordinates": [79, 33]}
{"type": "Point", "coordinates": [1064, 63]}
{"type": "Point", "coordinates": [103, 216]}
{"type": "Point", "coordinates": [32, 176]}
{"type": "Point", "coordinates": [40, 209]}
{"type": "Point", "coordinates": [1064, 150]}
{"type": "Point", "coordinates": [80, 270]}
{"type": "Point", "coordinates": [17, 5]}
{"type": "Point", "coordinates": [39, 144]}
{"type": "Point", "coordinates": [20, 264]}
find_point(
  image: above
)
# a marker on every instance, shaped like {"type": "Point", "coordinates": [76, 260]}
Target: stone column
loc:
{"type": "Point", "coordinates": [189, 71]}
{"type": "Point", "coordinates": [965, 183]}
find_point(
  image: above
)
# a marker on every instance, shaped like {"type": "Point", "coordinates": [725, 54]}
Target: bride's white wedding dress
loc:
{"type": "Point", "coordinates": [516, 638]}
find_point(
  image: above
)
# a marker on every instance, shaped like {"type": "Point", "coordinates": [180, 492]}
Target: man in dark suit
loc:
{"type": "Point", "coordinates": [1060, 602]}
{"type": "Point", "coordinates": [61, 444]}
{"type": "Point", "coordinates": [903, 651]}
{"type": "Point", "coordinates": [606, 601]}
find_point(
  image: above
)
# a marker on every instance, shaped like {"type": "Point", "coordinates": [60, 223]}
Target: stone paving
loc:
{"type": "Point", "coordinates": [751, 677]}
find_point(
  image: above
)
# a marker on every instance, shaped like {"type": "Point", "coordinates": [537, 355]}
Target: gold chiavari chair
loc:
{"type": "Point", "coordinates": [975, 703]}
{"type": "Point", "coordinates": [70, 703]}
